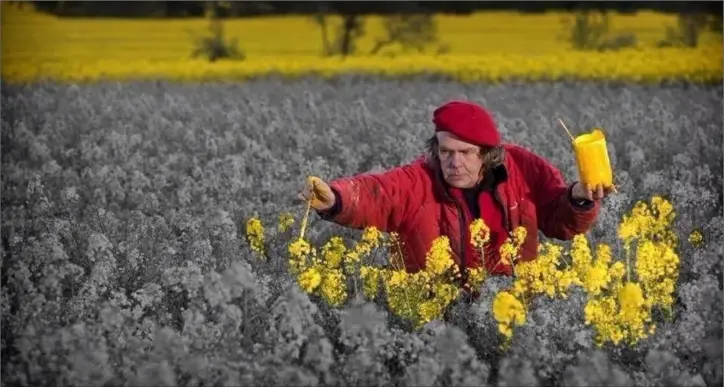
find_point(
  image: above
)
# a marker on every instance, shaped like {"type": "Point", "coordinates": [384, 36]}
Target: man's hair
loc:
{"type": "Point", "coordinates": [492, 156]}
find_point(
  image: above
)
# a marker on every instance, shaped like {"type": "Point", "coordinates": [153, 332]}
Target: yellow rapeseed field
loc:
{"type": "Point", "coordinates": [481, 47]}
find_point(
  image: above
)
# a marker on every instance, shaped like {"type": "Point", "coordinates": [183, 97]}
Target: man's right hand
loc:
{"type": "Point", "coordinates": [320, 193]}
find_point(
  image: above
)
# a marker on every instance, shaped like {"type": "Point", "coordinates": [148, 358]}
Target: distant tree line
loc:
{"type": "Point", "coordinates": [259, 8]}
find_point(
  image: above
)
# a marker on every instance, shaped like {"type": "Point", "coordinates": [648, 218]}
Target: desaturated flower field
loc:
{"type": "Point", "coordinates": [125, 258]}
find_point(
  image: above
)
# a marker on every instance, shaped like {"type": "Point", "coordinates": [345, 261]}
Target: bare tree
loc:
{"type": "Point", "coordinates": [412, 31]}
{"type": "Point", "coordinates": [215, 46]}
{"type": "Point", "coordinates": [346, 35]}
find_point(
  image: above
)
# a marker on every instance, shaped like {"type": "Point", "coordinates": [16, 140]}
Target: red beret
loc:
{"type": "Point", "coordinates": [471, 122]}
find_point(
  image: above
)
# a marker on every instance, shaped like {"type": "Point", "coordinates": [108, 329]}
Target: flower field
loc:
{"type": "Point", "coordinates": [151, 236]}
{"type": "Point", "coordinates": [486, 46]}
{"type": "Point", "coordinates": [703, 65]}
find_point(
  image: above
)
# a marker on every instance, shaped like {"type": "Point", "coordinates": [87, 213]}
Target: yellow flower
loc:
{"type": "Point", "coordinates": [617, 271]}
{"type": "Point", "coordinates": [352, 256]}
{"type": "Point", "coordinates": [310, 279]}
{"type": "Point", "coordinates": [507, 253]}
{"type": "Point", "coordinates": [301, 254]}
{"type": "Point", "coordinates": [445, 293]}
{"type": "Point", "coordinates": [333, 252]}
{"type": "Point", "coordinates": [634, 313]}
{"type": "Point", "coordinates": [696, 238]}
{"type": "Point", "coordinates": [398, 278]}
{"type": "Point", "coordinates": [405, 292]}
{"type": "Point", "coordinates": [479, 233]}
{"type": "Point", "coordinates": [657, 267]}
{"type": "Point", "coordinates": [621, 311]}
{"type": "Point", "coordinates": [508, 310]}
{"type": "Point", "coordinates": [438, 259]}
{"type": "Point", "coordinates": [334, 288]}
{"type": "Point", "coordinates": [370, 280]}
{"type": "Point", "coordinates": [617, 308]}
{"type": "Point", "coordinates": [477, 276]}
{"type": "Point", "coordinates": [519, 235]}
{"type": "Point", "coordinates": [371, 236]}
{"type": "Point", "coordinates": [299, 248]}
{"type": "Point", "coordinates": [631, 299]}
{"type": "Point", "coordinates": [255, 235]}
{"type": "Point", "coordinates": [429, 310]}
{"type": "Point", "coordinates": [603, 254]}
{"type": "Point", "coordinates": [601, 312]}
{"type": "Point", "coordinates": [582, 257]}
{"type": "Point", "coordinates": [596, 279]}
{"type": "Point", "coordinates": [564, 280]}
{"type": "Point", "coordinates": [371, 239]}
{"type": "Point", "coordinates": [510, 249]}
{"type": "Point", "coordinates": [286, 220]}
{"type": "Point", "coordinates": [649, 222]}
{"type": "Point", "coordinates": [542, 276]}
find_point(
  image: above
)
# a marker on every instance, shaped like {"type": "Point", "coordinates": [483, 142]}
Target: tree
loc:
{"type": "Point", "coordinates": [411, 31]}
{"type": "Point", "coordinates": [215, 46]}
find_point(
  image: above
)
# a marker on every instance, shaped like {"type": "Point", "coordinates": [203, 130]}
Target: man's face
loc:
{"type": "Point", "coordinates": [460, 161]}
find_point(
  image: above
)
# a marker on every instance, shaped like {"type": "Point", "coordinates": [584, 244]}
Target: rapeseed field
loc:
{"type": "Point", "coordinates": [492, 46]}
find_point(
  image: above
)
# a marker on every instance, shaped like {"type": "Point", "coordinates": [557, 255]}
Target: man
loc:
{"type": "Point", "coordinates": [466, 174]}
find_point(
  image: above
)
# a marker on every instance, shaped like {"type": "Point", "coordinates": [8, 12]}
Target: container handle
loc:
{"type": "Point", "coordinates": [567, 131]}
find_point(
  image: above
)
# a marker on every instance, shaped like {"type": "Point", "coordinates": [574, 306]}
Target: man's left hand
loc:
{"type": "Point", "coordinates": [587, 192]}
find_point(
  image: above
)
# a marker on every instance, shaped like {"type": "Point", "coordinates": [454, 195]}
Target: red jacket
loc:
{"type": "Point", "coordinates": [414, 201]}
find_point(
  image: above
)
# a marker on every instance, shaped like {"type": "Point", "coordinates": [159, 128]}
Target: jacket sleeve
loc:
{"type": "Point", "coordinates": [559, 215]}
{"type": "Point", "coordinates": [382, 200]}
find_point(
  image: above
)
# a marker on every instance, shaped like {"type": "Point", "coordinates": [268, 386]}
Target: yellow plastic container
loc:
{"type": "Point", "coordinates": [594, 167]}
